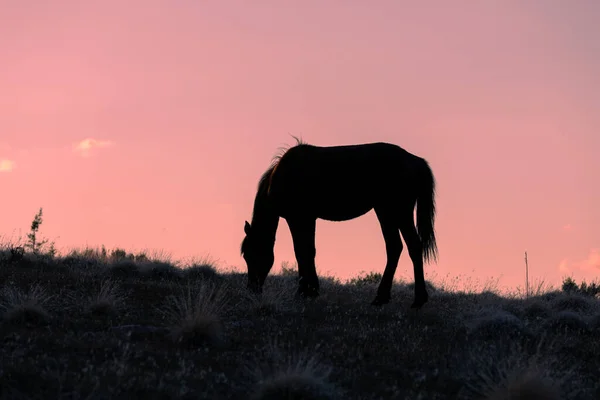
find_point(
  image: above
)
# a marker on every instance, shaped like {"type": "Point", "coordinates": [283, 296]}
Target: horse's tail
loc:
{"type": "Point", "coordinates": [426, 212]}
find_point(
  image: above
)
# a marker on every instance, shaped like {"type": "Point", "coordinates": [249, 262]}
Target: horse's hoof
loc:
{"type": "Point", "coordinates": [421, 297]}
{"type": "Point", "coordinates": [379, 301]}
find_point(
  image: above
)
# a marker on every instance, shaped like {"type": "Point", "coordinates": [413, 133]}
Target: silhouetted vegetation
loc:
{"type": "Point", "coordinates": [587, 289]}
{"type": "Point", "coordinates": [372, 278]}
{"type": "Point", "coordinates": [100, 324]}
{"type": "Point", "coordinates": [35, 244]}
{"type": "Point", "coordinates": [103, 324]}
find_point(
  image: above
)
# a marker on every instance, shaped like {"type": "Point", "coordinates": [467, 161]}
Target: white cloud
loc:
{"type": "Point", "coordinates": [7, 165]}
{"type": "Point", "coordinates": [86, 145]}
{"type": "Point", "coordinates": [592, 262]}
{"type": "Point", "coordinates": [589, 264]}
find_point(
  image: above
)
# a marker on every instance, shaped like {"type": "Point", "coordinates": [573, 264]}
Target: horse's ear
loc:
{"type": "Point", "coordinates": [247, 228]}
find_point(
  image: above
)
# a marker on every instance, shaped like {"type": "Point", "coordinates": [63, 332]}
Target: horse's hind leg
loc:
{"type": "Point", "coordinates": [393, 248]}
{"type": "Point", "coordinates": [303, 236]}
{"type": "Point", "coordinates": [413, 242]}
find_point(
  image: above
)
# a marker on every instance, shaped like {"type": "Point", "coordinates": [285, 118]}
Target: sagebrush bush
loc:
{"type": "Point", "coordinates": [566, 320]}
{"type": "Point", "coordinates": [536, 309]}
{"type": "Point", "coordinates": [496, 323]}
{"type": "Point", "coordinates": [573, 302]}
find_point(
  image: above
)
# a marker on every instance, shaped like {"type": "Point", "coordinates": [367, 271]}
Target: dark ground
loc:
{"type": "Point", "coordinates": [80, 328]}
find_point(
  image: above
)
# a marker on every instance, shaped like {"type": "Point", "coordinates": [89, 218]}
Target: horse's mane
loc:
{"type": "Point", "coordinates": [284, 149]}
{"type": "Point", "coordinates": [264, 184]}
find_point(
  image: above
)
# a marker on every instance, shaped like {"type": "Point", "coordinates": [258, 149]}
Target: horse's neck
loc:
{"type": "Point", "coordinates": [264, 219]}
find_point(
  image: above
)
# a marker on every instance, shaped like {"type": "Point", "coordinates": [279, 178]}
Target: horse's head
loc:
{"type": "Point", "coordinates": [259, 256]}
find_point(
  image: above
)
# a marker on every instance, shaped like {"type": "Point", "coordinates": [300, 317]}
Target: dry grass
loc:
{"type": "Point", "coordinates": [27, 307]}
{"type": "Point", "coordinates": [515, 370]}
{"type": "Point", "coordinates": [277, 297]}
{"type": "Point", "coordinates": [195, 314]}
{"type": "Point", "coordinates": [525, 386]}
{"type": "Point", "coordinates": [201, 271]}
{"type": "Point", "coordinates": [92, 326]}
{"type": "Point", "coordinates": [285, 375]}
{"type": "Point", "coordinates": [108, 300]}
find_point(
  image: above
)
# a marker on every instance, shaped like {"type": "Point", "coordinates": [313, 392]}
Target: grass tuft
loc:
{"type": "Point", "coordinates": [123, 268]}
{"type": "Point", "coordinates": [195, 315]}
{"type": "Point", "coordinates": [108, 300]}
{"type": "Point", "coordinates": [204, 272]}
{"type": "Point", "coordinates": [525, 386]}
{"type": "Point", "coordinates": [159, 270]}
{"type": "Point", "coordinates": [25, 307]}
{"type": "Point", "coordinates": [292, 377]}
{"type": "Point", "coordinates": [277, 297]}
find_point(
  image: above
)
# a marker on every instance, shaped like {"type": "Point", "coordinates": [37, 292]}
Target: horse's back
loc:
{"type": "Point", "coordinates": [334, 178]}
{"type": "Point", "coordinates": [373, 153]}
{"type": "Point", "coordinates": [352, 162]}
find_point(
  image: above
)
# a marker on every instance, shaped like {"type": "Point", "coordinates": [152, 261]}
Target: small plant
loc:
{"type": "Point", "coordinates": [33, 242]}
{"type": "Point", "coordinates": [17, 253]}
{"type": "Point", "coordinates": [119, 254]}
{"type": "Point", "coordinates": [367, 279]}
{"type": "Point", "coordinates": [288, 270]}
{"type": "Point", "coordinates": [569, 285]}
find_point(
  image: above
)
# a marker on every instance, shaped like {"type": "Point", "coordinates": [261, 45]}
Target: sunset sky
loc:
{"type": "Point", "coordinates": [147, 124]}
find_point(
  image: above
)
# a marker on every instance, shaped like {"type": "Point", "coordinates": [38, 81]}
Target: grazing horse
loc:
{"type": "Point", "coordinates": [340, 183]}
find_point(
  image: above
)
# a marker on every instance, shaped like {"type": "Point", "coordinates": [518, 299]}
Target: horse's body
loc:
{"type": "Point", "coordinates": [340, 183]}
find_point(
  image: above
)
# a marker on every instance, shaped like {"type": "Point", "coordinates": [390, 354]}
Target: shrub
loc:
{"type": "Point", "coordinates": [587, 289]}
{"type": "Point", "coordinates": [367, 279]}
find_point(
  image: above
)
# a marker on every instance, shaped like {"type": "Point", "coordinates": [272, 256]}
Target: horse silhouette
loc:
{"type": "Point", "coordinates": [340, 183]}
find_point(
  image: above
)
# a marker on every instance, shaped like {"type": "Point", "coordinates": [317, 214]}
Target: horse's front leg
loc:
{"type": "Point", "coordinates": [303, 236]}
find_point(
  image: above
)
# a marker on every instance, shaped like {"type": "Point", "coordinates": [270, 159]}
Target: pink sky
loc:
{"type": "Point", "coordinates": [178, 106]}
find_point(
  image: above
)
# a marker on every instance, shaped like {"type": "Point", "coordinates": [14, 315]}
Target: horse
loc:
{"type": "Point", "coordinates": [340, 183]}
